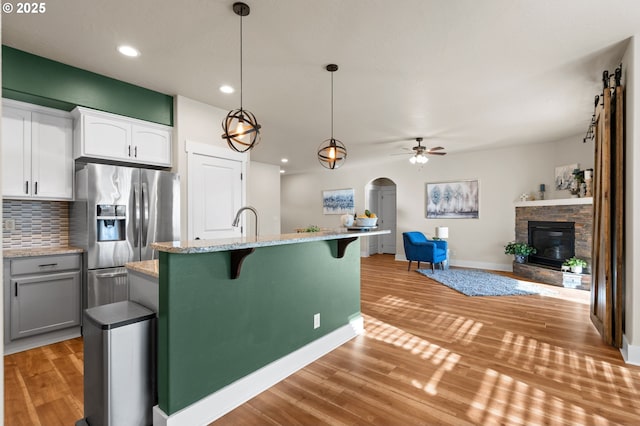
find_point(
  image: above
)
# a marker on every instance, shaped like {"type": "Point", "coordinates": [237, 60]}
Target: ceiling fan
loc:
{"type": "Point", "coordinates": [421, 152]}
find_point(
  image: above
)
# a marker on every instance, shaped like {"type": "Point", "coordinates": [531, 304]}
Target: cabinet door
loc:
{"type": "Point", "coordinates": [151, 146]}
{"type": "Point", "coordinates": [44, 303]}
{"type": "Point", "coordinates": [16, 152]}
{"type": "Point", "coordinates": [52, 162]}
{"type": "Point", "coordinates": [106, 138]}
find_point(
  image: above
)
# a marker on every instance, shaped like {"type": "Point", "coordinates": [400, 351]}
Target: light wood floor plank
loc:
{"type": "Point", "coordinates": [429, 355]}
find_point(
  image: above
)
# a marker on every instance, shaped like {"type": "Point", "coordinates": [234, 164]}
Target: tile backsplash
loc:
{"type": "Point", "coordinates": [37, 224]}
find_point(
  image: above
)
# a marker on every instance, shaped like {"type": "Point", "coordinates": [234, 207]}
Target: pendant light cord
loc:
{"type": "Point", "coordinates": [332, 106]}
{"type": "Point", "coordinates": [241, 62]}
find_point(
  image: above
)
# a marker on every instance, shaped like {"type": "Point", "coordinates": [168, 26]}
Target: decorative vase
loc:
{"type": "Point", "coordinates": [347, 220]}
{"type": "Point", "coordinates": [520, 258]}
{"type": "Point", "coordinates": [576, 269]}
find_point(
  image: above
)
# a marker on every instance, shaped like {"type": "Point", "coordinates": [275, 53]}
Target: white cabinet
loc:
{"type": "Point", "coordinates": [37, 159]}
{"type": "Point", "coordinates": [42, 300]}
{"type": "Point", "coordinates": [104, 136]}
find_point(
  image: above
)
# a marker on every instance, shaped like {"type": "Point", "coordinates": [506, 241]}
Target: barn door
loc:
{"type": "Point", "coordinates": [608, 219]}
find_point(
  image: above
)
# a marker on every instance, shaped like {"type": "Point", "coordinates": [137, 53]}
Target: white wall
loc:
{"type": "Point", "coordinates": [503, 175]}
{"type": "Point", "coordinates": [263, 193]}
{"type": "Point", "coordinates": [198, 122]}
{"type": "Point", "coordinates": [631, 74]}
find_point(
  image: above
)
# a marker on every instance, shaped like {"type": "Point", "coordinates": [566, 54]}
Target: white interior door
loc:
{"type": "Point", "coordinates": [387, 203]}
{"type": "Point", "coordinates": [216, 192]}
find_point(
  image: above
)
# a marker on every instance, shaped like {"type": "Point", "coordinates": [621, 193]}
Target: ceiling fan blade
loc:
{"type": "Point", "coordinates": [437, 153]}
{"type": "Point", "coordinates": [437, 148]}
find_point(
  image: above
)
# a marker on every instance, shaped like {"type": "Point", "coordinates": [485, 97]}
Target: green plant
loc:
{"type": "Point", "coordinates": [574, 261]}
{"type": "Point", "coordinates": [519, 248]}
{"type": "Point", "coordinates": [312, 228]}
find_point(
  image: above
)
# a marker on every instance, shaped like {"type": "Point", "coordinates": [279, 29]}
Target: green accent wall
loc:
{"type": "Point", "coordinates": [41, 81]}
{"type": "Point", "coordinates": [213, 330]}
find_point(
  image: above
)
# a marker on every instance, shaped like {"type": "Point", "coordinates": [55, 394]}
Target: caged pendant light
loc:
{"type": "Point", "coordinates": [241, 129]}
{"type": "Point", "coordinates": [332, 153]}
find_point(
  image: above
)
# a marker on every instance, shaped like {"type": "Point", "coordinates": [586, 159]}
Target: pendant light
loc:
{"type": "Point", "coordinates": [332, 153]}
{"type": "Point", "coordinates": [241, 129]}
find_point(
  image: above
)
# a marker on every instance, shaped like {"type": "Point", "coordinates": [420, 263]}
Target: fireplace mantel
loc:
{"type": "Point", "coordinates": [556, 202]}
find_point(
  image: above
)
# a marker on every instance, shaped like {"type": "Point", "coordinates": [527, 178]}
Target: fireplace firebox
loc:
{"type": "Point", "coordinates": [554, 242]}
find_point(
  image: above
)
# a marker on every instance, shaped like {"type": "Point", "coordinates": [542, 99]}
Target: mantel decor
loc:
{"type": "Point", "coordinates": [452, 200]}
{"type": "Point", "coordinates": [338, 201]}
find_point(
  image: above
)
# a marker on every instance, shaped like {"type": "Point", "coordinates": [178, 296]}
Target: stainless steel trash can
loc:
{"type": "Point", "coordinates": [119, 365]}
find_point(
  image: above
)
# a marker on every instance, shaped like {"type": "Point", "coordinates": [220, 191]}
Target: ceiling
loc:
{"type": "Point", "coordinates": [463, 74]}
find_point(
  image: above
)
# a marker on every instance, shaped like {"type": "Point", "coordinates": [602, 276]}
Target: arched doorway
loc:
{"type": "Point", "coordinates": [381, 199]}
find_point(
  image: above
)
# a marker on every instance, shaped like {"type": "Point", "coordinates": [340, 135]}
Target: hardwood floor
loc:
{"type": "Point", "coordinates": [429, 355]}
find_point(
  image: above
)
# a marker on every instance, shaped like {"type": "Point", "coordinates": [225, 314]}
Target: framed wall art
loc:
{"type": "Point", "coordinates": [452, 200]}
{"type": "Point", "coordinates": [564, 176]}
{"type": "Point", "coordinates": [338, 201]}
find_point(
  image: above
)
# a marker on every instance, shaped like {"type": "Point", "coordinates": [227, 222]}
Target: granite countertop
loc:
{"type": "Point", "coordinates": [225, 244]}
{"type": "Point", "coordinates": [39, 251]}
{"type": "Point", "coordinates": [147, 267]}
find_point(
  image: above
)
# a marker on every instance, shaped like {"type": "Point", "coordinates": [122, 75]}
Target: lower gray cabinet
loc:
{"type": "Point", "coordinates": [44, 303]}
{"type": "Point", "coordinates": [42, 300]}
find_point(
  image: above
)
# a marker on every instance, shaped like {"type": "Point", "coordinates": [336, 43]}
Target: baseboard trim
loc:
{"type": "Point", "coordinates": [630, 353]}
{"type": "Point", "coordinates": [226, 399]}
{"type": "Point", "coordinates": [508, 267]}
{"type": "Point", "coordinates": [31, 342]}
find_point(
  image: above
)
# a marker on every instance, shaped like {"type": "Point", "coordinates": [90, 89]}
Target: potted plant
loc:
{"type": "Point", "coordinates": [576, 264]}
{"type": "Point", "coordinates": [519, 250]}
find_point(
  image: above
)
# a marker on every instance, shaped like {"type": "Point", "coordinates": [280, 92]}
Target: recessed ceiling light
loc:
{"type": "Point", "coordinates": [129, 51]}
{"type": "Point", "coordinates": [227, 89]}
{"type": "Point", "coordinates": [285, 160]}
{"type": "Point", "coordinates": [281, 171]}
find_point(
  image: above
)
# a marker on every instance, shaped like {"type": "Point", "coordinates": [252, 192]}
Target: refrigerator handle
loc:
{"type": "Point", "coordinates": [136, 214]}
{"type": "Point", "coordinates": [145, 213]}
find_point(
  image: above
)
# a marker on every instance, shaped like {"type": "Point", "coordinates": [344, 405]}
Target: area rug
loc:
{"type": "Point", "coordinates": [480, 283]}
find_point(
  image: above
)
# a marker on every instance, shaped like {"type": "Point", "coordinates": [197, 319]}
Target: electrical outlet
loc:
{"type": "Point", "coordinates": [10, 224]}
{"type": "Point", "coordinates": [316, 321]}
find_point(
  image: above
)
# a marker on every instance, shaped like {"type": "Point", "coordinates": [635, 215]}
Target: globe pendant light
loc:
{"type": "Point", "coordinates": [332, 153]}
{"type": "Point", "coordinates": [241, 129]}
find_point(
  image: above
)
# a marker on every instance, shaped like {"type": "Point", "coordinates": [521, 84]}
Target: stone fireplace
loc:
{"type": "Point", "coordinates": [559, 229]}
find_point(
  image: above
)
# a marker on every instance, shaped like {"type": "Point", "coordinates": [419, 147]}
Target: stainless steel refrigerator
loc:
{"type": "Point", "coordinates": [117, 213]}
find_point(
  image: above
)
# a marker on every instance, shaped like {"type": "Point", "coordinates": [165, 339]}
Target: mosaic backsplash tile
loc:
{"type": "Point", "coordinates": [38, 224]}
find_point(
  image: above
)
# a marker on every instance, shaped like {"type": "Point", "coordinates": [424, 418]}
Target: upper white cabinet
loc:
{"type": "Point", "coordinates": [37, 161]}
{"type": "Point", "coordinates": [105, 136]}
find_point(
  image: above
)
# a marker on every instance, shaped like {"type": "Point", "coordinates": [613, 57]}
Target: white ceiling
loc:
{"type": "Point", "coordinates": [463, 74]}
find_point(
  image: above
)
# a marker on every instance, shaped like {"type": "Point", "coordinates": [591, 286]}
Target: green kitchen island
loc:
{"type": "Point", "coordinates": [238, 315]}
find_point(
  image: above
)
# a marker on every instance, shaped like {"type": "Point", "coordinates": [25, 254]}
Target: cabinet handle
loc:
{"type": "Point", "coordinates": [112, 275]}
{"type": "Point", "coordinates": [46, 265]}
{"type": "Point", "coordinates": [16, 289]}
{"type": "Point", "coordinates": [36, 188]}
{"type": "Point", "coordinates": [129, 151]}
{"type": "Point", "coordinates": [135, 152]}
{"type": "Point", "coordinates": [26, 187]}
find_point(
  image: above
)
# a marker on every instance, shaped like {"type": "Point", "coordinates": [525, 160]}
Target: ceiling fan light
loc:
{"type": "Point", "coordinates": [413, 160]}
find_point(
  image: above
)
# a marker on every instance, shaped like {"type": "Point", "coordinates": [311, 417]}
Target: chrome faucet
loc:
{"type": "Point", "coordinates": [236, 221]}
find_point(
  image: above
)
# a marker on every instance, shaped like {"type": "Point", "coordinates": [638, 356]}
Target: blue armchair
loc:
{"type": "Point", "coordinates": [417, 247]}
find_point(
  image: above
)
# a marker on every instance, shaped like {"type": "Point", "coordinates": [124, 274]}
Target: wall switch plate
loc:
{"type": "Point", "coordinates": [10, 224]}
{"type": "Point", "coordinates": [316, 321]}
